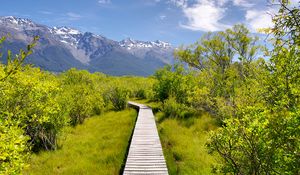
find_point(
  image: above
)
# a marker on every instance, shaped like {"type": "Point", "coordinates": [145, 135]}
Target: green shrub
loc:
{"type": "Point", "coordinates": [176, 110]}
{"type": "Point", "coordinates": [81, 95]}
{"type": "Point", "coordinates": [31, 97]}
{"type": "Point", "coordinates": [258, 143]}
{"type": "Point", "coordinates": [176, 83]}
{"type": "Point", "coordinates": [118, 97]}
{"type": "Point", "coordinates": [14, 151]}
{"type": "Point", "coordinates": [141, 94]}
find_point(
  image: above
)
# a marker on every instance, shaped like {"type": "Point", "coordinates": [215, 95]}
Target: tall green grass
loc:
{"type": "Point", "coordinates": [183, 142]}
{"type": "Point", "coordinates": [96, 147]}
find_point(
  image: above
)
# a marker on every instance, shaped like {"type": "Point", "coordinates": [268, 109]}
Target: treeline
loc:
{"type": "Point", "coordinates": [252, 91]}
{"type": "Point", "coordinates": [36, 105]}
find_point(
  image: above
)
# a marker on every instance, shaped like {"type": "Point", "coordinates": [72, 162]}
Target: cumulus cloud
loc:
{"type": "Point", "coordinates": [204, 15]}
{"type": "Point", "coordinates": [208, 15]}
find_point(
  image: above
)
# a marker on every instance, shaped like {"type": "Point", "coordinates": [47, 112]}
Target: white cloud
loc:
{"type": "Point", "coordinates": [73, 16]}
{"type": "Point", "coordinates": [103, 1]}
{"type": "Point", "coordinates": [208, 15]}
{"type": "Point", "coordinates": [205, 16]}
{"type": "Point", "coordinates": [259, 19]}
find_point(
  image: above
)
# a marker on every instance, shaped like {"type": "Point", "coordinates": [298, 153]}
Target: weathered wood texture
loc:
{"type": "Point", "coordinates": [145, 153]}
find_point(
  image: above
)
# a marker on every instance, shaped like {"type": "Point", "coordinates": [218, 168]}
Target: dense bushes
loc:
{"type": "Point", "coordinates": [34, 101]}
{"type": "Point", "coordinates": [172, 88]}
{"type": "Point", "coordinates": [14, 151]}
{"type": "Point", "coordinates": [174, 109]}
{"type": "Point", "coordinates": [173, 83]}
{"type": "Point", "coordinates": [36, 105]}
{"type": "Point", "coordinates": [81, 95]}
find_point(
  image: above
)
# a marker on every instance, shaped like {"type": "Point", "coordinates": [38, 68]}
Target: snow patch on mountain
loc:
{"type": "Point", "coordinates": [16, 21]}
{"type": "Point", "coordinates": [130, 44]}
{"type": "Point", "coordinates": [67, 35]}
{"type": "Point", "coordinates": [65, 31]}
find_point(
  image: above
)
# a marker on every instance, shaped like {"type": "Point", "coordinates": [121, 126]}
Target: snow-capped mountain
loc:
{"type": "Point", "coordinates": [67, 35]}
{"type": "Point", "coordinates": [61, 48]}
{"type": "Point", "coordinates": [17, 23]}
{"type": "Point", "coordinates": [146, 49]}
{"type": "Point", "coordinates": [129, 44]}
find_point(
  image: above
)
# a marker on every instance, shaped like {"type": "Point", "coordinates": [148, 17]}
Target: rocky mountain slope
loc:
{"type": "Point", "coordinates": [61, 48]}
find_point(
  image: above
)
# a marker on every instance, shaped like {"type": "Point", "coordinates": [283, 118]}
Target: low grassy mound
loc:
{"type": "Point", "coordinates": [96, 147]}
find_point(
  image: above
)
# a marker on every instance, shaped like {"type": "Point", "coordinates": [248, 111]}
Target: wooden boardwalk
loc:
{"type": "Point", "coordinates": [145, 153]}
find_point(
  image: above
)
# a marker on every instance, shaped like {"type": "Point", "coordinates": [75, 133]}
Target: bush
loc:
{"type": "Point", "coordinates": [176, 83]}
{"type": "Point", "coordinates": [141, 94]}
{"type": "Point", "coordinates": [14, 151]}
{"type": "Point", "coordinates": [258, 143]}
{"type": "Point", "coordinates": [31, 97]}
{"type": "Point", "coordinates": [176, 110]}
{"type": "Point", "coordinates": [81, 96]}
{"type": "Point", "coordinates": [118, 97]}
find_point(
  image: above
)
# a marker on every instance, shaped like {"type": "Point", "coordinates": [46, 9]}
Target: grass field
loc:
{"type": "Point", "coordinates": [183, 142]}
{"type": "Point", "coordinates": [96, 147]}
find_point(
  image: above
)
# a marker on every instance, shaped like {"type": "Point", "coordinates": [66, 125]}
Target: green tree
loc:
{"type": "Point", "coordinates": [175, 83]}
{"type": "Point", "coordinates": [287, 26]}
{"type": "Point", "coordinates": [264, 138]}
{"type": "Point", "coordinates": [227, 62]}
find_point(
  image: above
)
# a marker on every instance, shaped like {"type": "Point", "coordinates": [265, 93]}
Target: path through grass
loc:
{"type": "Point", "coordinates": [96, 147]}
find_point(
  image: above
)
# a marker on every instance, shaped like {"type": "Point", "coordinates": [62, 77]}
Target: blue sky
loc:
{"type": "Point", "coordinates": [176, 21]}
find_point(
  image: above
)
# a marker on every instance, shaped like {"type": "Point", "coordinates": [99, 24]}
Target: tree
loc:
{"type": "Point", "coordinates": [287, 23]}
{"type": "Point", "coordinates": [227, 62]}
{"type": "Point", "coordinates": [264, 138]}
{"type": "Point", "coordinates": [175, 83]}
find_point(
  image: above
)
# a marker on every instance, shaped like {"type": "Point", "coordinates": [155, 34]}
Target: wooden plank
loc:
{"type": "Point", "coordinates": [145, 152]}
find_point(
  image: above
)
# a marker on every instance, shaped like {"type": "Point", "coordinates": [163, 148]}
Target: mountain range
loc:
{"type": "Point", "coordinates": [61, 48]}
